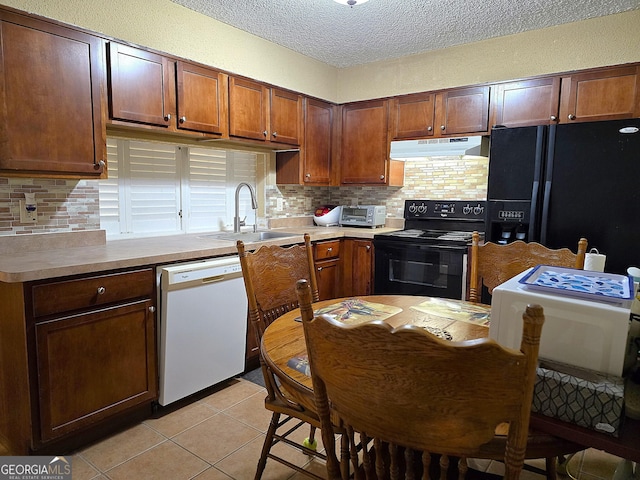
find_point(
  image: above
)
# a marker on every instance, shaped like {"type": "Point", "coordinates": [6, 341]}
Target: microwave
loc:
{"type": "Point", "coordinates": [363, 216]}
{"type": "Point", "coordinates": [581, 332]}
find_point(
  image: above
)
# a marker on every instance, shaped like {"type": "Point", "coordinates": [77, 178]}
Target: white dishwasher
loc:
{"type": "Point", "coordinates": [203, 325]}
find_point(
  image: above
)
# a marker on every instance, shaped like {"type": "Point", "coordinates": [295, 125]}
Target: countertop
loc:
{"type": "Point", "coordinates": [57, 255]}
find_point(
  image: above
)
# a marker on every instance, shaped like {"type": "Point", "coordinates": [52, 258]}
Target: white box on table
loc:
{"type": "Point", "coordinates": [577, 331]}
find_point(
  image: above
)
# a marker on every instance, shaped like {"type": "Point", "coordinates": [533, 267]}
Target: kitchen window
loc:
{"type": "Point", "coordinates": [162, 189]}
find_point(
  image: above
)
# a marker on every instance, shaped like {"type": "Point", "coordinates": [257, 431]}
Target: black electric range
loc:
{"type": "Point", "coordinates": [428, 257]}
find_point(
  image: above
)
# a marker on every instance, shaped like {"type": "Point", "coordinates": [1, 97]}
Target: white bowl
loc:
{"type": "Point", "coordinates": [328, 219]}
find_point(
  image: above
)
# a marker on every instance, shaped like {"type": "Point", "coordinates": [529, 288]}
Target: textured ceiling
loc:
{"type": "Point", "coordinates": [345, 36]}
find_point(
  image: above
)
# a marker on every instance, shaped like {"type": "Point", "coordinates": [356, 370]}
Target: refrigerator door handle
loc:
{"type": "Point", "coordinates": [548, 175]}
{"type": "Point", "coordinates": [533, 211]}
{"type": "Point", "coordinates": [535, 190]}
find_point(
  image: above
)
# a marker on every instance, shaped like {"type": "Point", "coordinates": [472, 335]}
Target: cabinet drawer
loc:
{"type": "Point", "coordinates": [324, 250]}
{"type": "Point", "coordinates": [69, 295]}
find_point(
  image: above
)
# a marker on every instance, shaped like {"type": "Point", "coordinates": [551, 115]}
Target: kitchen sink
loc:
{"type": "Point", "coordinates": [248, 237]}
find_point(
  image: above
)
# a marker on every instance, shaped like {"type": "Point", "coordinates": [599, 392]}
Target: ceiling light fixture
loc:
{"type": "Point", "coordinates": [351, 3]}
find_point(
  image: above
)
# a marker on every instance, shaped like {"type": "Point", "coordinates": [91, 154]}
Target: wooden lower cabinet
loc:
{"type": "Point", "coordinates": [93, 366]}
{"type": "Point", "coordinates": [86, 361]}
{"type": "Point", "coordinates": [357, 267]}
{"type": "Point", "coordinates": [326, 256]}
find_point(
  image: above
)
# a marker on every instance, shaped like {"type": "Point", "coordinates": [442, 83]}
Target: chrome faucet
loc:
{"type": "Point", "coordinates": [237, 223]}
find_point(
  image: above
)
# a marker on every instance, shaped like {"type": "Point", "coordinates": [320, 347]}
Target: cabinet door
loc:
{"type": "Point", "coordinates": [529, 102]}
{"type": "Point", "coordinates": [51, 114]}
{"type": "Point", "coordinates": [285, 117]}
{"type": "Point", "coordinates": [248, 107]}
{"type": "Point", "coordinates": [412, 116]}
{"type": "Point", "coordinates": [362, 258]}
{"type": "Point", "coordinates": [603, 95]}
{"type": "Point", "coordinates": [364, 154]}
{"type": "Point", "coordinates": [463, 111]}
{"type": "Point", "coordinates": [139, 88]}
{"type": "Point", "coordinates": [202, 99]}
{"type": "Point", "coordinates": [317, 150]}
{"type": "Point", "coordinates": [328, 277]}
{"type": "Point", "coordinates": [93, 366]}
{"type": "Point", "coordinates": [357, 267]}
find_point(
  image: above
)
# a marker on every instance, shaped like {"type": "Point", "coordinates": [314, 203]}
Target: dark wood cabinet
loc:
{"type": "Point", "coordinates": [326, 255]}
{"type": "Point", "coordinates": [258, 112]}
{"type": "Point", "coordinates": [462, 111]}
{"type": "Point", "coordinates": [202, 99]}
{"type": "Point", "coordinates": [607, 94]}
{"type": "Point", "coordinates": [286, 117]}
{"type": "Point", "coordinates": [248, 109]}
{"type": "Point", "coordinates": [312, 164]}
{"type": "Point", "coordinates": [51, 117]}
{"type": "Point", "coordinates": [149, 89]}
{"type": "Point", "coordinates": [412, 116]}
{"type": "Point", "coordinates": [89, 357]}
{"type": "Point", "coordinates": [527, 102]}
{"type": "Point", "coordinates": [139, 84]}
{"type": "Point", "coordinates": [364, 152]}
{"type": "Point", "coordinates": [93, 366]}
{"type": "Point", "coordinates": [357, 267]}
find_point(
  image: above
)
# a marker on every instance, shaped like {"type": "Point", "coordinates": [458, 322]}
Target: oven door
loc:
{"type": "Point", "coordinates": [411, 268]}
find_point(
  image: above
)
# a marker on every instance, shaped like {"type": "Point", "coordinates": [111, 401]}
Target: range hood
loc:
{"type": "Point", "coordinates": [440, 147]}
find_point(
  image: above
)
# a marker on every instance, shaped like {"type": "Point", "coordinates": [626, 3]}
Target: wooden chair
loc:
{"type": "Point", "coordinates": [493, 264]}
{"type": "Point", "coordinates": [408, 394]}
{"type": "Point", "coordinates": [270, 274]}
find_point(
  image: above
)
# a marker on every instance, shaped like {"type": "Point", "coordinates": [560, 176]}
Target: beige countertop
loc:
{"type": "Point", "coordinates": [56, 255]}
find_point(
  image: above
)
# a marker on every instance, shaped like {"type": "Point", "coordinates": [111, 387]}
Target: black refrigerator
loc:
{"type": "Point", "coordinates": [555, 184]}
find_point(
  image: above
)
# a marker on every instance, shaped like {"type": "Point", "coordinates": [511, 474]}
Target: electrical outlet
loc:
{"type": "Point", "coordinates": [28, 212]}
{"type": "Point", "coordinates": [279, 204]}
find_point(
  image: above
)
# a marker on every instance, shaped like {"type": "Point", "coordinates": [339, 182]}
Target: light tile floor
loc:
{"type": "Point", "coordinates": [219, 437]}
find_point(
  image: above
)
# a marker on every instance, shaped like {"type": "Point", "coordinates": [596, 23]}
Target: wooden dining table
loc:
{"type": "Point", "coordinates": [283, 349]}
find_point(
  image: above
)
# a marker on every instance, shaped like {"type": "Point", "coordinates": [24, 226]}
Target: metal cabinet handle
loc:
{"type": "Point", "coordinates": [308, 175]}
{"type": "Point", "coordinates": [553, 118]}
{"type": "Point", "coordinates": [320, 269]}
{"type": "Point", "coordinates": [442, 127]}
{"type": "Point", "coordinates": [330, 249]}
{"type": "Point", "coordinates": [99, 165]}
{"type": "Point", "coordinates": [572, 116]}
{"type": "Point", "coordinates": [183, 119]}
{"type": "Point", "coordinates": [381, 177]}
{"type": "Point", "coordinates": [265, 133]}
{"type": "Point", "coordinates": [152, 309]}
{"type": "Point", "coordinates": [167, 117]}
{"type": "Point", "coordinates": [101, 290]}
{"type": "Point", "coordinates": [274, 134]}
{"type": "Point", "coordinates": [429, 128]}
{"type": "Point", "coordinates": [368, 247]}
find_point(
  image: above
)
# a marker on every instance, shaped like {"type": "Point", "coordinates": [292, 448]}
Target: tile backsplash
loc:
{"type": "Point", "coordinates": [73, 205]}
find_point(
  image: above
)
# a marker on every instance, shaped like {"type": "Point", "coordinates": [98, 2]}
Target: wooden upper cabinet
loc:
{"type": "Point", "coordinates": [528, 102]}
{"type": "Point", "coordinates": [607, 94]}
{"type": "Point", "coordinates": [463, 111]}
{"type": "Point", "coordinates": [51, 105]}
{"type": "Point", "coordinates": [317, 151]}
{"type": "Point", "coordinates": [364, 153]}
{"type": "Point", "coordinates": [139, 84]}
{"type": "Point", "coordinates": [248, 109]}
{"type": "Point", "coordinates": [312, 164]}
{"type": "Point", "coordinates": [202, 99]}
{"type": "Point", "coordinates": [285, 117]}
{"type": "Point", "coordinates": [261, 113]}
{"type": "Point", "coordinates": [412, 116]}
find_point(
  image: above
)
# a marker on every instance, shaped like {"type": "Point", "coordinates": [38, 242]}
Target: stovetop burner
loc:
{"type": "Point", "coordinates": [445, 222]}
